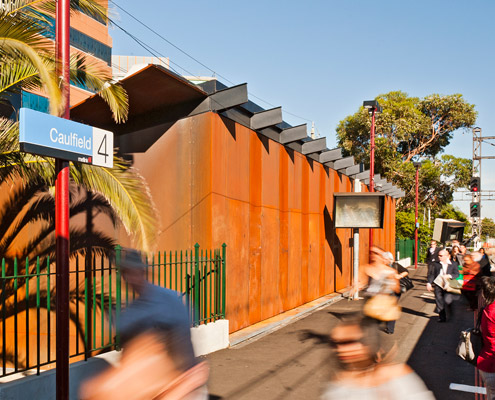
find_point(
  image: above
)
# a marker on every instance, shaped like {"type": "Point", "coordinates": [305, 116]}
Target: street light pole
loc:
{"type": "Point", "coordinates": [416, 224]}
{"type": "Point", "coordinates": [372, 150]}
{"type": "Point", "coordinates": [373, 107]}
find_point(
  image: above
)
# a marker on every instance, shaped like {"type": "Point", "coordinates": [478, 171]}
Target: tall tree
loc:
{"type": "Point", "coordinates": [413, 128]}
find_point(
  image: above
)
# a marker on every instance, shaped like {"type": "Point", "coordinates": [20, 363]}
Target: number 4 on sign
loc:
{"type": "Point", "coordinates": [102, 148]}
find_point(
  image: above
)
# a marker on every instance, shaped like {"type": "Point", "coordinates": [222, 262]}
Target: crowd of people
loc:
{"type": "Point", "coordinates": [454, 273]}
{"type": "Point", "coordinates": [460, 272]}
{"type": "Point", "coordinates": [158, 360]}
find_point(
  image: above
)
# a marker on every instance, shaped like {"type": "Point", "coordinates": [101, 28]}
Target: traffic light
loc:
{"type": "Point", "coordinates": [474, 209]}
{"type": "Point", "coordinates": [474, 184]}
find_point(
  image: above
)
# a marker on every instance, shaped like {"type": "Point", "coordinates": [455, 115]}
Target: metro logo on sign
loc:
{"type": "Point", "coordinates": [50, 136]}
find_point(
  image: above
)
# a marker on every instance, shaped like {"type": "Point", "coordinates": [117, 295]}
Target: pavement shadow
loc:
{"type": "Point", "coordinates": [278, 370]}
{"type": "Point", "coordinates": [426, 299]}
{"type": "Point", "coordinates": [319, 338]}
{"type": "Point", "coordinates": [341, 315]}
{"type": "Point", "coordinates": [415, 312]}
{"type": "Point", "coordinates": [434, 358]}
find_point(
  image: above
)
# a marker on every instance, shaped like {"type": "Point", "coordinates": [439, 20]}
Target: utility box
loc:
{"type": "Point", "coordinates": [447, 230]}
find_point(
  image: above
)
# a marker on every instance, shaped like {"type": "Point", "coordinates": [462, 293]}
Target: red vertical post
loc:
{"type": "Point", "coordinates": [372, 162]}
{"type": "Point", "coordinates": [416, 220]}
{"type": "Point", "coordinates": [62, 55]}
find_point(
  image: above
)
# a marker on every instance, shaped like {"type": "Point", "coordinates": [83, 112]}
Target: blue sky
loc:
{"type": "Point", "coordinates": [320, 59]}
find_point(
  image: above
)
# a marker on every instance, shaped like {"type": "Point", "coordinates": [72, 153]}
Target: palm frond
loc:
{"type": "Point", "coordinates": [23, 29]}
{"type": "Point", "coordinates": [17, 166]}
{"type": "Point", "coordinates": [43, 245]}
{"type": "Point", "coordinates": [128, 194]}
{"type": "Point", "coordinates": [17, 74]}
{"type": "Point", "coordinates": [10, 210]}
{"type": "Point", "coordinates": [93, 75]}
{"type": "Point", "coordinates": [92, 8]}
{"type": "Point", "coordinates": [121, 186]}
{"type": "Point", "coordinates": [15, 42]}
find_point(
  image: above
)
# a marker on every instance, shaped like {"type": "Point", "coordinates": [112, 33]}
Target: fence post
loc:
{"type": "Point", "coordinates": [118, 304]}
{"type": "Point", "coordinates": [224, 269]}
{"type": "Point", "coordinates": [196, 284]}
{"type": "Point", "coordinates": [4, 336]}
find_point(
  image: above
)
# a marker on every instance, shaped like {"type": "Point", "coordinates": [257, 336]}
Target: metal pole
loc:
{"type": "Point", "coordinates": [416, 220]}
{"type": "Point", "coordinates": [355, 269]}
{"type": "Point", "coordinates": [356, 263]}
{"type": "Point", "coordinates": [62, 48]}
{"type": "Point", "coordinates": [372, 163]}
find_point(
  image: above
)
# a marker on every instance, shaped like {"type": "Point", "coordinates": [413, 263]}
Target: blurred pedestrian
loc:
{"type": "Point", "coordinates": [158, 359]}
{"type": "Point", "coordinates": [363, 373]}
{"type": "Point", "coordinates": [455, 254]}
{"type": "Point", "coordinates": [470, 285]}
{"type": "Point", "coordinates": [382, 288]}
{"type": "Point", "coordinates": [432, 254]}
{"type": "Point", "coordinates": [439, 273]}
{"type": "Point", "coordinates": [486, 358]}
{"type": "Point", "coordinates": [400, 272]}
{"type": "Point", "coordinates": [482, 259]}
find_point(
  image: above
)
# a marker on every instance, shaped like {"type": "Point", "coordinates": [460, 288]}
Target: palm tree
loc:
{"type": "Point", "coordinates": [27, 62]}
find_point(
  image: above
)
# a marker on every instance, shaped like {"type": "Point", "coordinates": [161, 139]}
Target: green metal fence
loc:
{"type": "Point", "coordinates": [97, 296]}
{"type": "Point", "coordinates": [405, 248]}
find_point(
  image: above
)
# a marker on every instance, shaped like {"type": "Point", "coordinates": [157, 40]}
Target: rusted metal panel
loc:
{"type": "Point", "coordinates": [283, 245]}
{"type": "Point", "coordinates": [219, 181]}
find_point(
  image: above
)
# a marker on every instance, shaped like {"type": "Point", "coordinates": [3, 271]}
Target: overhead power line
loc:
{"type": "Point", "coordinates": [147, 47]}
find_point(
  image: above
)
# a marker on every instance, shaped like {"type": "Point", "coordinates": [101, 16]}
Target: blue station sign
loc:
{"type": "Point", "coordinates": [50, 136]}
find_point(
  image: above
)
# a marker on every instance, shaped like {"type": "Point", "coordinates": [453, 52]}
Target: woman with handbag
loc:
{"type": "Point", "coordinates": [486, 358]}
{"type": "Point", "coordinates": [383, 284]}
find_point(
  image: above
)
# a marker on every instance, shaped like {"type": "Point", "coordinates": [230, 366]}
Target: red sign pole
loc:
{"type": "Point", "coordinates": [416, 220]}
{"type": "Point", "coordinates": [62, 55]}
{"type": "Point", "coordinates": [372, 163]}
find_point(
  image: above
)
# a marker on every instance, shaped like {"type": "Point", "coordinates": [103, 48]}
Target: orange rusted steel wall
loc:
{"type": "Point", "coordinates": [216, 181]}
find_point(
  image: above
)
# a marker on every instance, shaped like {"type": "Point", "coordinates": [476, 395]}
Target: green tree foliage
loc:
{"type": "Point", "coordinates": [407, 127]}
{"type": "Point", "coordinates": [487, 228]}
{"type": "Point", "coordinates": [410, 128]}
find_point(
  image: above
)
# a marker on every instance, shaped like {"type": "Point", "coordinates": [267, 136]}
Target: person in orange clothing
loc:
{"type": "Point", "coordinates": [470, 270]}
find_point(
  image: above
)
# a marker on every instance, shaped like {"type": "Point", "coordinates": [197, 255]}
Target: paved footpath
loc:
{"type": "Point", "coordinates": [284, 358]}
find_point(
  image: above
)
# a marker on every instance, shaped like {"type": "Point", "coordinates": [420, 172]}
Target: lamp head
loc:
{"type": "Point", "coordinates": [371, 105]}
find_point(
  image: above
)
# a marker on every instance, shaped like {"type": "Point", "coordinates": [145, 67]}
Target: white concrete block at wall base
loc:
{"type": "Point", "coordinates": [405, 262]}
{"type": "Point", "coordinates": [210, 337]}
{"type": "Point", "coordinates": [42, 387]}
{"type": "Point", "coordinates": [206, 339]}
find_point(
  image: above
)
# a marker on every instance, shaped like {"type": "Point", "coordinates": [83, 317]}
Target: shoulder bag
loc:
{"type": "Point", "coordinates": [405, 284]}
{"type": "Point", "coordinates": [382, 307]}
{"type": "Point", "coordinates": [471, 342]}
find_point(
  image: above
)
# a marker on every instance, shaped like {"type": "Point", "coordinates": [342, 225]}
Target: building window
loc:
{"type": "Point", "coordinates": [34, 102]}
{"type": "Point", "coordinates": [81, 41]}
